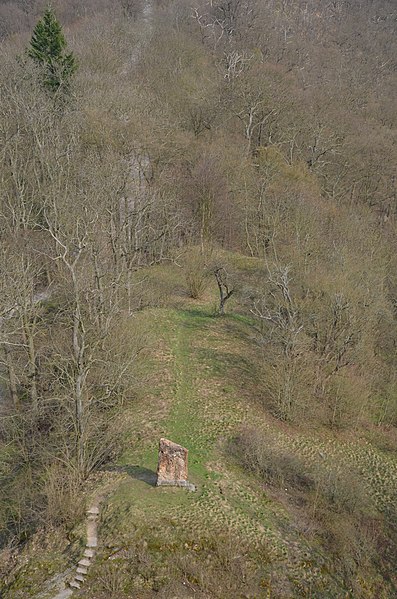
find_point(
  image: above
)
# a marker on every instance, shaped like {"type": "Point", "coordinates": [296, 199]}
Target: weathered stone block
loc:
{"type": "Point", "coordinates": [172, 465]}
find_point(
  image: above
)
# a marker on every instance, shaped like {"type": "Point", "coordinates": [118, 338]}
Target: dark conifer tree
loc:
{"type": "Point", "coordinates": [47, 48]}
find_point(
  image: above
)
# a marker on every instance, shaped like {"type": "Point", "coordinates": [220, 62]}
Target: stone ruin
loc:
{"type": "Point", "coordinates": [172, 466]}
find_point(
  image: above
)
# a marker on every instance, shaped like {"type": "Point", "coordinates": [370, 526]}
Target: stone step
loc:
{"type": "Point", "coordinates": [93, 511]}
{"type": "Point", "coordinates": [79, 578]}
{"type": "Point", "coordinates": [92, 542]}
{"type": "Point", "coordinates": [89, 553]}
{"type": "Point", "coordinates": [74, 584]}
{"type": "Point", "coordinates": [85, 562]}
{"type": "Point", "coordinates": [81, 570]}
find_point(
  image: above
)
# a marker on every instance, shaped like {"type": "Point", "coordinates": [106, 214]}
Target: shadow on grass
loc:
{"type": "Point", "coordinates": [137, 472]}
{"type": "Point", "coordinates": [200, 318]}
{"type": "Point", "coordinates": [195, 317]}
{"type": "Point", "coordinates": [227, 363]}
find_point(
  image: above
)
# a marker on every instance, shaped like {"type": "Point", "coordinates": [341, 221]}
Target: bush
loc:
{"type": "Point", "coordinates": [325, 485]}
{"type": "Point", "coordinates": [331, 499]}
{"type": "Point", "coordinates": [196, 272]}
{"type": "Point", "coordinates": [275, 465]}
{"type": "Point", "coordinates": [63, 496]}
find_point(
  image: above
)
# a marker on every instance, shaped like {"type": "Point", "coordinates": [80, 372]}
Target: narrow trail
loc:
{"type": "Point", "coordinates": [146, 24]}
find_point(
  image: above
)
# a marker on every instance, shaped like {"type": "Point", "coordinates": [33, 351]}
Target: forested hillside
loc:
{"type": "Point", "coordinates": [198, 204]}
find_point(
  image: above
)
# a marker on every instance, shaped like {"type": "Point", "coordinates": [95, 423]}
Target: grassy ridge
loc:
{"type": "Point", "coordinates": [205, 380]}
{"type": "Point", "coordinates": [235, 536]}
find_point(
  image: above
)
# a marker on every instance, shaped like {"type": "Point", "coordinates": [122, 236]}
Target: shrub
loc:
{"type": "Point", "coordinates": [196, 272]}
{"type": "Point", "coordinates": [63, 496]}
{"type": "Point", "coordinates": [275, 465]}
{"type": "Point", "coordinates": [326, 485]}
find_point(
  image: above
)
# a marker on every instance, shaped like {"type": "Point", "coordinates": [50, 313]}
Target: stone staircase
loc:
{"type": "Point", "coordinates": [90, 549]}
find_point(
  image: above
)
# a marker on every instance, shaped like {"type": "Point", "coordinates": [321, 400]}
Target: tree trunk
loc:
{"type": "Point", "coordinates": [224, 292]}
{"type": "Point", "coordinates": [28, 333]}
{"type": "Point", "coordinates": [12, 379]}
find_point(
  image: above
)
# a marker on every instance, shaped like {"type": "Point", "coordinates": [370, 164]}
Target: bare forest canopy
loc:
{"type": "Point", "coordinates": [21, 16]}
{"type": "Point", "coordinates": [194, 138]}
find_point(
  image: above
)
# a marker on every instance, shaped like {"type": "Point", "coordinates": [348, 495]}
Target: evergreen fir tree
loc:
{"type": "Point", "coordinates": [47, 48]}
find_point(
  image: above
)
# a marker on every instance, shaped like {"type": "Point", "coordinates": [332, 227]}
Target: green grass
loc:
{"type": "Point", "coordinates": [207, 371]}
{"type": "Point", "coordinates": [199, 385]}
{"type": "Point", "coordinates": [205, 380]}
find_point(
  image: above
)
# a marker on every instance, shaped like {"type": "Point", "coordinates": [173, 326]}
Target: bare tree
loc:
{"type": "Point", "coordinates": [284, 342]}
{"type": "Point", "coordinates": [226, 288]}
